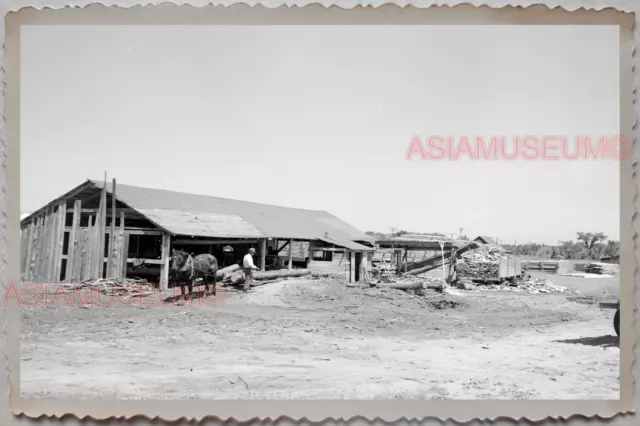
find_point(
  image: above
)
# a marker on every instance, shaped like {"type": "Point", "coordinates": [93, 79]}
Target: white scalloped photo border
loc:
{"type": "Point", "coordinates": [304, 411]}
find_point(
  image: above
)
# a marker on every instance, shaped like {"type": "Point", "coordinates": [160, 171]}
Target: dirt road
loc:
{"type": "Point", "coordinates": [319, 339]}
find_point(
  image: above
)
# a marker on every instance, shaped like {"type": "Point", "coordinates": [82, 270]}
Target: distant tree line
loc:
{"type": "Point", "coordinates": [587, 245]}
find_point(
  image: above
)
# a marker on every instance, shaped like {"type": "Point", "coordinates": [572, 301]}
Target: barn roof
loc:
{"type": "Point", "coordinates": [487, 240]}
{"type": "Point", "coordinates": [204, 215]}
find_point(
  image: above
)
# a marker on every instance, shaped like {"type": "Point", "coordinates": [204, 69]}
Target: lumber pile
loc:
{"type": "Point", "coordinates": [115, 286]}
{"type": "Point", "coordinates": [481, 262]}
{"type": "Point", "coordinates": [596, 268]}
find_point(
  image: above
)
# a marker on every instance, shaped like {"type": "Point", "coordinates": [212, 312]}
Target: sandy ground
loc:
{"type": "Point", "coordinates": [319, 339]}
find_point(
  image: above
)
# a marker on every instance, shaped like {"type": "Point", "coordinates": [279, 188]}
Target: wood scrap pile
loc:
{"type": "Point", "coordinates": [481, 262]}
{"type": "Point", "coordinates": [132, 287]}
{"type": "Point", "coordinates": [534, 286]}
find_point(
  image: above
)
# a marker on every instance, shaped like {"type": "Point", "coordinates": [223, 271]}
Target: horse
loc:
{"type": "Point", "coordinates": [186, 267]}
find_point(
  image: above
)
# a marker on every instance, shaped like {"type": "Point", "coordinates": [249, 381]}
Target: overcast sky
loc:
{"type": "Point", "coordinates": [322, 117]}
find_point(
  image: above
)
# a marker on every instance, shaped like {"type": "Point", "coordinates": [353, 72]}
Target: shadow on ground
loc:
{"type": "Point", "coordinates": [602, 341]}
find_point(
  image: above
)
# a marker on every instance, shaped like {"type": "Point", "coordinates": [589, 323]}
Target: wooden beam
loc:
{"type": "Point", "coordinates": [213, 242]}
{"type": "Point", "coordinates": [89, 247]}
{"type": "Point", "coordinates": [103, 227]}
{"type": "Point", "coordinates": [111, 270]}
{"type": "Point", "coordinates": [165, 258]}
{"type": "Point", "coordinates": [290, 260]}
{"type": "Point", "coordinates": [287, 244]}
{"type": "Point", "coordinates": [352, 267]}
{"type": "Point", "coordinates": [125, 255]}
{"type": "Point", "coordinates": [132, 231]}
{"type": "Point", "coordinates": [51, 244]}
{"type": "Point", "coordinates": [62, 218]}
{"type": "Point", "coordinates": [29, 251]}
{"type": "Point", "coordinates": [121, 255]}
{"type": "Point", "coordinates": [73, 236]}
{"type": "Point", "coordinates": [94, 211]}
{"type": "Point", "coordinates": [263, 254]}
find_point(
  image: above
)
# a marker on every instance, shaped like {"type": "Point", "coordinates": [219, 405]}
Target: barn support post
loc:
{"type": "Point", "coordinates": [111, 258]}
{"type": "Point", "coordinates": [290, 259]}
{"type": "Point", "coordinates": [263, 254]}
{"type": "Point", "coordinates": [37, 250]}
{"type": "Point", "coordinates": [125, 249]}
{"type": "Point", "coordinates": [62, 218]}
{"type": "Point", "coordinates": [51, 244]}
{"type": "Point", "coordinates": [352, 266]}
{"type": "Point", "coordinates": [166, 256]}
{"type": "Point", "coordinates": [90, 247]}
{"type": "Point", "coordinates": [121, 255]}
{"type": "Point", "coordinates": [102, 229]}
{"type": "Point", "coordinates": [73, 236]}
{"type": "Point", "coordinates": [44, 248]}
{"type": "Point", "coordinates": [29, 249]}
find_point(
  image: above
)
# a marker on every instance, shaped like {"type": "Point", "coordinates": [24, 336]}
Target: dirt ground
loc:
{"type": "Point", "coordinates": [316, 338]}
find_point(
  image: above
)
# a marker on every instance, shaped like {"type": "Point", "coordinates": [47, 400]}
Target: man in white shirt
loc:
{"type": "Point", "coordinates": [248, 267]}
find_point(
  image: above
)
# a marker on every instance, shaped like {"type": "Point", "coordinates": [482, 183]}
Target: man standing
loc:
{"type": "Point", "coordinates": [248, 266]}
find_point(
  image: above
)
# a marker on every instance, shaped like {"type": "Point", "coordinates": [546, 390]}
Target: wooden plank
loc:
{"type": "Point", "coordinates": [352, 267]}
{"type": "Point", "coordinates": [111, 263]}
{"type": "Point", "coordinates": [133, 231]}
{"type": "Point", "coordinates": [90, 248]}
{"type": "Point", "coordinates": [94, 211]}
{"type": "Point", "coordinates": [39, 256]}
{"type": "Point", "coordinates": [263, 254]}
{"type": "Point", "coordinates": [290, 260]}
{"type": "Point", "coordinates": [122, 255]}
{"type": "Point", "coordinates": [51, 245]}
{"type": "Point", "coordinates": [30, 246]}
{"type": "Point", "coordinates": [211, 241]}
{"type": "Point", "coordinates": [73, 236]}
{"type": "Point", "coordinates": [165, 257]}
{"type": "Point", "coordinates": [62, 218]}
{"type": "Point", "coordinates": [102, 228]}
{"type": "Point", "coordinates": [125, 254]}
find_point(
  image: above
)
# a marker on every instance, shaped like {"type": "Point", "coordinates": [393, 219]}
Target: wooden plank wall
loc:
{"type": "Point", "coordinates": [42, 247]}
{"type": "Point", "coordinates": [299, 249]}
{"type": "Point", "coordinates": [338, 264]}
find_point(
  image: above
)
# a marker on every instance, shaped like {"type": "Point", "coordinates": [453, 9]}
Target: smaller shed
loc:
{"type": "Point", "coordinates": [486, 240]}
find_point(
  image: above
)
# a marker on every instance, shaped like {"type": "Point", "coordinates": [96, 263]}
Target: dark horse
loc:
{"type": "Point", "coordinates": [189, 268]}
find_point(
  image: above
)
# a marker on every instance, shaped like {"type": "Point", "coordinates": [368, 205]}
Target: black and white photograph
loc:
{"type": "Point", "coordinates": [371, 212]}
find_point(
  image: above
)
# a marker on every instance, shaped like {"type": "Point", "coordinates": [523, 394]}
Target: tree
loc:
{"type": "Point", "coordinates": [590, 239]}
{"type": "Point", "coordinates": [544, 252]}
{"type": "Point", "coordinates": [597, 251]}
{"type": "Point", "coordinates": [612, 248]}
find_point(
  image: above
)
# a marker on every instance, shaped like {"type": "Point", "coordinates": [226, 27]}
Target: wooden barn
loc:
{"type": "Point", "coordinates": [101, 229]}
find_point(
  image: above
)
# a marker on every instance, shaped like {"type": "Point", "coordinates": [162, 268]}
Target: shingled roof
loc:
{"type": "Point", "coordinates": [175, 211]}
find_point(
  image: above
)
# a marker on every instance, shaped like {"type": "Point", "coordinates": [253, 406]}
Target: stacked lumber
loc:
{"type": "Point", "coordinates": [596, 268]}
{"type": "Point", "coordinates": [481, 262]}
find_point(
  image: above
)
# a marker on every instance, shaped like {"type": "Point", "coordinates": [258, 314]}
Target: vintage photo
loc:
{"type": "Point", "coordinates": [320, 212]}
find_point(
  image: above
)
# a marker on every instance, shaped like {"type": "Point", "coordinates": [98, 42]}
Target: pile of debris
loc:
{"type": "Point", "coordinates": [481, 262]}
{"type": "Point", "coordinates": [535, 286]}
{"type": "Point", "coordinates": [130, 287]}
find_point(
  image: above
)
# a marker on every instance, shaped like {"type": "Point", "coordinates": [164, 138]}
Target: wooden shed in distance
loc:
{"type": "Point", "coordinates": [101, 229]}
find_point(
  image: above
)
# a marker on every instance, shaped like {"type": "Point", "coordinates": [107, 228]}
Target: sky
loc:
{"type": "Point", "coordinates": [322, 117]}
